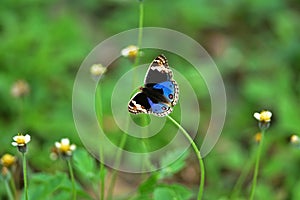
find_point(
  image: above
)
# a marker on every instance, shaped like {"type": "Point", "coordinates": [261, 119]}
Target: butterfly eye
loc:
{"type": "Point", "coordinates": [170, 96]}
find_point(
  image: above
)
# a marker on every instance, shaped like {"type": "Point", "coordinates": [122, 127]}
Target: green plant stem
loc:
{"type": "Point", "coordinates": [102, 175]}
{"type": "Point", "coordinates": [13, 186]}
{"type": "Point", "coordinates": [99, 113]}
{"type": "Point", "coordinates": [72, 178]}
{"type": "Point", "coordinates": [201, 164]}
{"type": "Point", "coordinates": [25, 176]}
{"type": "Point", "coordinates": [139, 42]}
{"type": "Point", "coordinates": [21, 114]}
{"type": "Point", "coordinates": [112, 185]}
{"type": "Point", "coordinates": [147, 165]}
{"type": "Point", "coordinates": [124, 137]}
{"type": "Point", "coordinates": [254, 180]}
{"type": "Point", "coordinates": [117, 164]}
{"type": "Point", "coordinates": [140, 36]}
{"type": "Point", "coordinates": [237, 188]}
{"type": "Point", "coordinates": [8, 190]}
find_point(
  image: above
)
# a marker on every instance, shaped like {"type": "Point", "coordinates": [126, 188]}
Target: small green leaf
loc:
{"type": "Point", "coordinates": [84, 163]}
{"type": "Point", "coordinates": [182, 192]}
{"type": "Point", "coordinates": [170, 166]}
{"type": "Point", "coordinates": [164, 194]}
{"type": "Point", "coordinates": [172, 192]}
{"type": "Point", "coordinates": [149, 185]}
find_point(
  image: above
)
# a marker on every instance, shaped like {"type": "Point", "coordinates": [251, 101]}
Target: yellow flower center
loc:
{"type": "Point", "coordinates": [65, 148]}
{"type": "Point", "coordinates": [265, 116]}
{"type": "Point", "coordinates": [132, 51]}
{"type": "Point", "coordinates": [20, 140]}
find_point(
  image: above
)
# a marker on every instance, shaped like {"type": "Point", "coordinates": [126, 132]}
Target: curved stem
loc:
{"type": "Point", "coordinates": [256, 166]}
{"type": "Point", "coordinates": [25, 176]}
{"type": "Point", "coordinates": [72, 178]}
{"type": "Point", "coordinates": [197, 152]}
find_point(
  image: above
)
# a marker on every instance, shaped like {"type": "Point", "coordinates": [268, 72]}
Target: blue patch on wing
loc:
{"type": "Point", "coordinates": [159, 109]}
{"type": "Point", "coordinates": [168, 88]}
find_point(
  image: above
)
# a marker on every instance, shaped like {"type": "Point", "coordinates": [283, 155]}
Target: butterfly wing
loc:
{"type": "Point", "coordinates": [160, 109]}
{"type": "Point", "coordinates": [161, 74]}
{"type": "Point", "coordinates": [158, 71]}
{"type": "Point", "coordinates": [170, 91]}
{"type": "Point", "coordinates": [141, 103]}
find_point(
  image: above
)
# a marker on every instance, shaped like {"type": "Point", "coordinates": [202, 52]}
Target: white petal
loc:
{"type": "Point", "coordinates": [269, 114]}
{"type": "Point", "coordinates": [73, 147]}
{"type": "Point", "coordinates": [65, 141]}
{"type": "Point", "coordinates": [15, 138]}
{"type": "Point", "coordinates": [257, 116]}
{"type": "Point", "coordinates": [27, 138]}
{"type": "Point", "coordinates": [125, 52]}
{"type": "Point", "coordinates": [14, 144]}
{"type": "Point", "coordinates": [57, 145]}
{"type": "Point", "coordinates": [294, 139]}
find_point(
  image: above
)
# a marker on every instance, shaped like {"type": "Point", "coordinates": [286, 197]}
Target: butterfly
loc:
{"type": "Point", "coordinates": [160, 92]}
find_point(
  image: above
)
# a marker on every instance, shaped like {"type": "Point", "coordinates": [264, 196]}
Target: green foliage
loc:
{"type": "Point", "coordinates": [170, 166]}
{"type": "Point", "coordinates": [49, 186]}
{"type": "Point", "coordinates": [154, 184]}
{"type": "Point", "coordinates": [86, 166]}
{"type": "Point", "coordinates": [255, 45]}
{"type": "Point", "coordinates": [171, 192]}
{"type": "Point", "coordinates": [84, 163]}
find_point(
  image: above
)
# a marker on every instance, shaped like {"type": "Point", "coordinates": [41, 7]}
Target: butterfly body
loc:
{"type": "Point", "coordinates": [156, 95]}
{"type": "Point", "coordinates": [160, 91]}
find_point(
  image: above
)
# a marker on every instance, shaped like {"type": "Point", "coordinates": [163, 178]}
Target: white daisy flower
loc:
{"type": "Point", "coordinates": [97, 70]}
{"type": "Point", "coordinates": [64, 147]}
{"type": "Point", "coordinates": [130, 51]}
{"type": "Point", "coordinates": [263, 116]}
{"type": "Point", "coordinates": [21, 141]}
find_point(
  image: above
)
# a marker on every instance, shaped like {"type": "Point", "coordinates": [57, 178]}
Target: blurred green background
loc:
{"type": "Point", "coordinates": [255, 44]}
